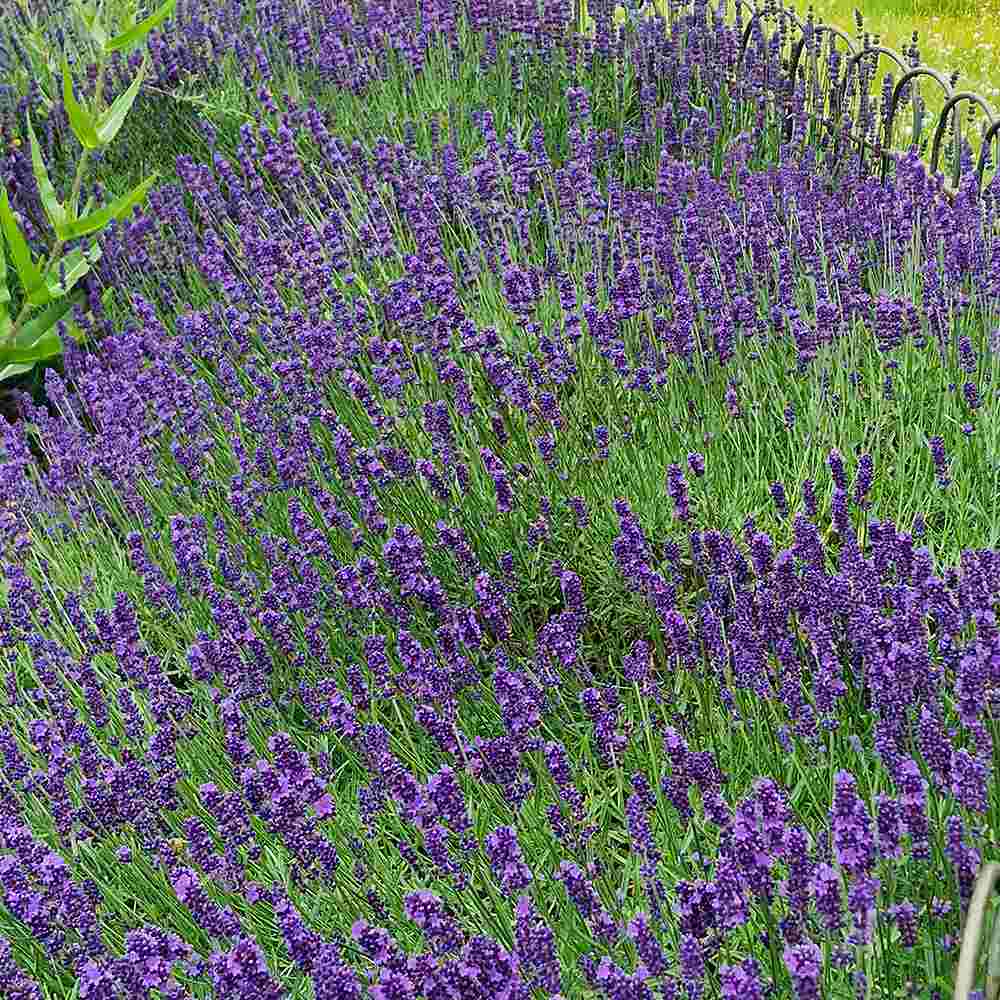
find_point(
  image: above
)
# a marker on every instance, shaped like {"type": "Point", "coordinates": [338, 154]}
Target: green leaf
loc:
{"type": "Point", "coordinates": [11, 370]}
{"type": "Point", "coordinates": [32, 336]}
{"type": "Point", "coordinates": [130, 13]}
{"type": "Point", "coordinates": [112, 120]}
{"type": "Point", "coordinates": [48, 345]}
{"type": "Point", "coordinates": [97, 32]}
{"type": "Point", "coordinates": [53, 207]}
{"type": "Point", "coordinates": [27, 270]}
{"type": "Point", "coordinates": [4, 290]}
{"type": "Point", "coordinates": [75, 265]}
{"type": "Point", "coordinates": [134, 36]}
{"type": "Point", "coordinates": [89, 16]}
{"type": "Point", "coordinates": [80, 119]}
{"type": "Point", "coordinates": [118, 209]}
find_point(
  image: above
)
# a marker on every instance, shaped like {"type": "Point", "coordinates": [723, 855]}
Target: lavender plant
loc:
{"type": "Point", "coordinates": [548, 559]}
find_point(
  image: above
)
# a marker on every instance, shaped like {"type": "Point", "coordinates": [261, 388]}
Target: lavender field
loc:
{"type": "Point", "coordinates": [515, 518]}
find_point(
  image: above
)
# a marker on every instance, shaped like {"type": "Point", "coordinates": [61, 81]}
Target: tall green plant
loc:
{"type": "Point", "coordinates": [50, 284]}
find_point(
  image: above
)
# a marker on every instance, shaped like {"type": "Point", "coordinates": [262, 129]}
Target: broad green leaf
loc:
{"type": "Point", "coordinates": [6, 323]}
{"type": "Point", "coordinates": [118, 209]}
{"type": "Point", "coordinates": [4, 290]}
{"type": "Point", "coordinates": [133, 36]}
{"type": "Point", "coordinates": [75, 265]}
{"type": "Point", "coordinates": [9, 371]}
{"type": "Point", "coordinates": [86, 208]}
{"type": "Point", "coordinates": [53, 207]}
{"type": "Point", "coordinates": [32, 331]}
{"type": "Point", "coordinates": [48, 345]}
{"type": "Point", "coordinates": [92, 22]}
{"type": "Point", "coordinates": [80, 119]}
{"type": "Point", "coordinates": [112, 120]}
{"type": "Point", "coordinates": [130, 13]}
{"type": "Point", "coordinates": [27, 270]}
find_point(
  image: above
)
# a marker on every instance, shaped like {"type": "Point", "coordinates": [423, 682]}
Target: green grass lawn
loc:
{"type": "Point", "coordinates": [952, 35]}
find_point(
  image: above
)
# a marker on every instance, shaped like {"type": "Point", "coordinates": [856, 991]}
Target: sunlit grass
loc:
{"type": "Point", "coordinates": [951, 35]}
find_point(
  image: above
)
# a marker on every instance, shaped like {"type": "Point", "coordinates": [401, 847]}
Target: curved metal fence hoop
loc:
{"type": "Point", "coordinates": [842, 91]}
{"type": "Point", "coordinates": [965, 95]}
{"type": "Point", "coordinates": [768, 11]}
{"type": "Point", "coordinates": [878, 50]}
{"type": "Point", "coordinates": [986, 883]}
{"type": "Point", "coordinates": [818, 29]}
{"type": "Point", "coordinates": [906, 78]}
{"type": "Point", "coordinates": [991, 136]}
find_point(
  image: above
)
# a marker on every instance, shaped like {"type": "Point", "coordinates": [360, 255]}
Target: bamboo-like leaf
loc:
{"type": "Point", "coordinates": [86, 208]}
{"type": "Point", "coordinates": [9, 371]}
{"type": "Point", "coordinates": [48, 345]}
{"type": "Point", "coordinates": [118, 209]}
{"type": "Point", "coordinates": [28, 271]}
{"type": "Point", "coordinates": [80, 119]}
{"type": "Point", "coordinates": [91, 21]}
{"type": "Point", "coordinates": [6, 323]}
{"type": "Point", "coordinates": [75, 265]}
{"type": "Point", "coordinates": [112, 120]}
{"type": "Point", "coordinates": [4, 290]}
{"type": "Point", "coordinates": [32, 331]}
{"type": "Point", "coordinates": [53, 207]}
{"type": "Point", "coordinates": [133, 36]}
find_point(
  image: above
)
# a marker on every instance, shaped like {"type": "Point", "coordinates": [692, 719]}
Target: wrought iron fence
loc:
{"type": "Point", "coordinates": [820, 70]}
